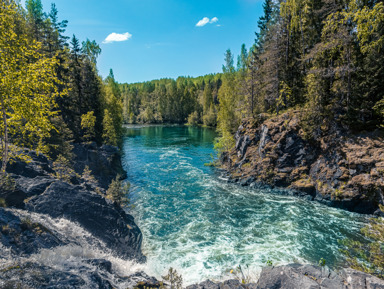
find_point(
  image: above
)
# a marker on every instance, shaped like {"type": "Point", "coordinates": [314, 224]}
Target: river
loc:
{"type": "Point", "coordinates": [196, 222]}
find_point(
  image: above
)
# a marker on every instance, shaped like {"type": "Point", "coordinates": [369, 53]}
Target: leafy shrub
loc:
{"type": "Point", "coordinates": [118, 191]}
{"type": "Point", "coordinates": [322, 262]}
{"type": "Point", "coordinates": [367, 255]}
{"type": "Point", "coordinates": [175, 280]}
{"type": "Point", "coordinates": [88, 122]}
{"type": "Point", "coordinates": [63, 169]}
{"type": "Point", "coordinates": [194, 118]}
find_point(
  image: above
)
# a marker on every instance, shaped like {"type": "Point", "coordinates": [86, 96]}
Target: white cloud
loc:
{"type": "Point", "coordinates": [214, 19]}
{"type": "Point", "coordinates": [206, 20]}
{"type": "Point", "coordinates": [116, 37]}
{"type": "Point", "coordinates": [203, 22]}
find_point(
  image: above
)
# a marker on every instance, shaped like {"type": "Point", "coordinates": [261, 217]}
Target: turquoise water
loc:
{"type": "Point", "coordinates": [194, 221]}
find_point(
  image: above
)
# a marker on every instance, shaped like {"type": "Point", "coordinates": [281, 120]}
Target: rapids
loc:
{"type": "Point", "coordinates": [196, 222]}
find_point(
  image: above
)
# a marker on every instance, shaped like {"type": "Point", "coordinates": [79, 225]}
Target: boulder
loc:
{"type": "Point", "coordinates": [38, 165]}
{"type": "Point", "coordinates": [12, 194]}
{"type": "Point", "coordinates": [105, 220]}
{"type": "Point", "coordinates": [358, 280]}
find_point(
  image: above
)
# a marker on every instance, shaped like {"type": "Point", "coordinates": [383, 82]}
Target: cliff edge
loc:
{"type": "Point", "coordinates": [339, 168]}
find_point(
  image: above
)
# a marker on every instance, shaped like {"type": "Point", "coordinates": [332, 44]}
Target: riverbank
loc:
{"type": "Point", "coordinates": [339, 169]}
{"type": "Point", "coordinates": [58, 228]}
{"type": "Point", "coordinates": [67, 234]}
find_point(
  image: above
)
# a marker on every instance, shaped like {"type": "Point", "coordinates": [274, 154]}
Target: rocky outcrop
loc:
{"type": "Point", "coordinates": [104, 162]}
{"type": "Point", "coordinates": [339, 169]}
{"type": "Point", "coordinates": [94, 273]}
{"type": "Point", "coordinates": [312, 277]}
{"type": "Point", "coordinates": [297, 276]}
{"type": "Point", "coordinates": [102, 218]}
{"type": "Point", "coordinates": [41, 198]}
{"type": "Point", "coordinates": [24, 237]}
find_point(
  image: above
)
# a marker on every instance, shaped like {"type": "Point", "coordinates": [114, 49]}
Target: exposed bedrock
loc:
{"type": "Point", "coordinates": [339, 169]}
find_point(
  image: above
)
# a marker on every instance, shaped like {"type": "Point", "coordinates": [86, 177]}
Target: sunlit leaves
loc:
{"type": "Point", "coordinates": [28, 85]}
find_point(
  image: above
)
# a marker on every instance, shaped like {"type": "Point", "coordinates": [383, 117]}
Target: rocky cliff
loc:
{"type": "Point", "coordinates": [338, 168]}
{"type": "Point", "coordinates": [53, 232]}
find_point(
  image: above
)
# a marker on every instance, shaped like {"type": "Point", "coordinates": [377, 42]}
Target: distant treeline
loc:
{"type": "Point", "coordinates": [172, 101]}
{"type": "Point", "coordinates": [323, 57]}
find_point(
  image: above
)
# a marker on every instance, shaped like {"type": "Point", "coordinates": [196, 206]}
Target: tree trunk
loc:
{"type": "Point", "coordinates": [5, 151]}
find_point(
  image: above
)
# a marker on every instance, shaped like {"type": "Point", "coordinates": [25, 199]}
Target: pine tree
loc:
{"type": "Point", "coordinates": [109, 133]}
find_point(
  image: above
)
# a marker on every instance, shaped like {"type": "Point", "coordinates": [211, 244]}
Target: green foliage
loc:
{"type": "Point", "coordinates": [224, 143]}
{"type": "Point", "coordinates": [322, 262]}
{"type": "Point", "coordinates": [28, 85]}
{"type": "Point", "coordinates": [175, 280]}
{"type": "Point", "coordinates": [88, 122]}
{"type": "Point", "coordinates": [50, 92]}
{"type": "Point", "coordinates": [210, 119]}
{"type": "Point", "coordinates": [194, 119]}
{"type": "Point", "coordinates": [91, 49]}
{"type": "Point", "coordinates": [109, 133]}
{"type": "Point", "coordinates": [88, 177]}
{"type": "Point", "coordinates": [118, 192]}
{"type": "Point", "coordinates": [63, 169]}
{"type": "Point", "coordinates": [285, 94]}
{"type": "Point", "coordinates": [7, 183]}
{"type": "Point", "coordinates": [367, 255]}
{"type": "Point", "coordinates": [369, 26]}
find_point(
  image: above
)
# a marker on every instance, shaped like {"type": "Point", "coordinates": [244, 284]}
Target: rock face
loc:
{"type": "Point", "coordinates": [23, 236]}
{"type": "Point", "coordinates": [339, 169]}
{"type": "Point", "coordinates": [313, 277]}
{"type": "Point", "coordinates": [296, 276]}
{"type": "Point", "coordinates": [94, 273]}
{"type": "Point", "coordinates": [104, 162]}
{"type": "Point", "coordinates": [103, 219]}
{"type": "Point", "coordinates": [34, 189]}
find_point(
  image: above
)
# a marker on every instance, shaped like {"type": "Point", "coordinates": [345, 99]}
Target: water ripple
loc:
{"type": "Point", "coordinates": [197, 223]}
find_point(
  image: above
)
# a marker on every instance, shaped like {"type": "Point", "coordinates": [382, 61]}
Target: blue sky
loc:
{"type": "Point", "coordinates": [164, 40]}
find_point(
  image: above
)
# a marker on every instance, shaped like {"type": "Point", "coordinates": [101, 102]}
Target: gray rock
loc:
{"type": "Point", "coordinates": [358, 280]}
{"type": "Point", "coordinates": [231, 284]}
{"type": "Point", "coordinates": [104, 162]}
{"type": "Point", "coordinates": [208, 284]}
{"type": "Point", "coordinates": [24, 237]}
{"type": "Point", "coordinates": [33, 276]}
{"type": "Point", "coordinates": [264, 139]}
{"type": "Point", "coordinates": [34, 186]}
{"type": "Point", "coordinates": [309, 276]}
{"type": "Point", "coordinates": [104, 220]}
{"type": "Point", "coordinates": [287, 277]}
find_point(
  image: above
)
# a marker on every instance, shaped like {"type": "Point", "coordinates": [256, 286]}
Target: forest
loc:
{"type": "Point", "coordinates": [324, 58]}
{"type": "Point", "coordinates": [320, 57]}
{"type": "Point", "coordinates": [51, 94]}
